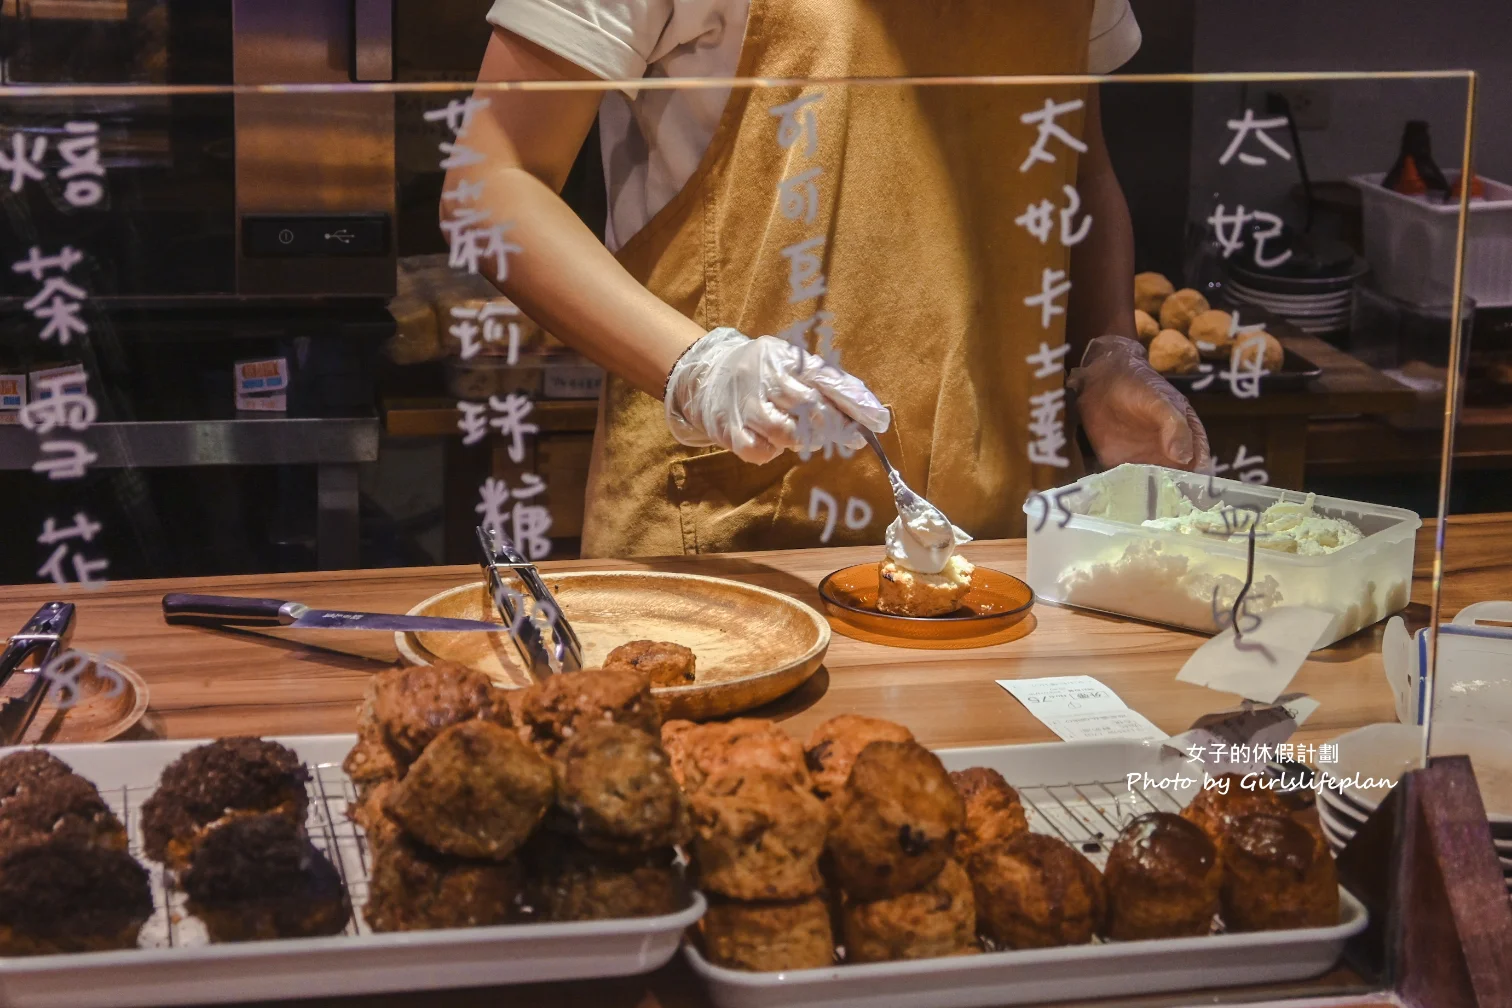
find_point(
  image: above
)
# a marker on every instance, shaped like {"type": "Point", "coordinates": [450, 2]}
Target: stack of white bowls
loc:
{"type": "Point", "coordinates": [1386, 751]}
{"type": "Point", "coordinates": [1320, 306]}
{"type": "Point", "coordinates": [1316, 314]}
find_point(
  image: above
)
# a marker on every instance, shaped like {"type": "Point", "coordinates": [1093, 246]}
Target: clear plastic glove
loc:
{"type": "Point", "coordinates": [761, 397]}
{"type": "Point", "coordinates": [1131, 413]}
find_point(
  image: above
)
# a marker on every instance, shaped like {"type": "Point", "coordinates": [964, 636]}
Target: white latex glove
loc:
{"type": "Point", "coordinates": [761, 397]}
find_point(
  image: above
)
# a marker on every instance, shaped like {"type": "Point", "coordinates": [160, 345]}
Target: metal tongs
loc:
{"type": "Point", "coordinates": [44, 636]}
{"type": "Point", "coordinates": [524, 616]}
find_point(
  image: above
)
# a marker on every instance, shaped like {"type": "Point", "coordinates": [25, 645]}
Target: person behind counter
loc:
{"type": "Point", "coordinates": [917, 279]}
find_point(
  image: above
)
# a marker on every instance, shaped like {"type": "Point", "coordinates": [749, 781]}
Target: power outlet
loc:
{"type": "Point", "coordinates": [1310, 105]}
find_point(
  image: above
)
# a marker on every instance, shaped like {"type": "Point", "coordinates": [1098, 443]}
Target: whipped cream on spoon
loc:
{"type": "Point", "coordinates": [921, 538]}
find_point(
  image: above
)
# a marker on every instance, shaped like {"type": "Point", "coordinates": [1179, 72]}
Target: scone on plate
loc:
{"type": "Point", "coordinates": [904, 592]}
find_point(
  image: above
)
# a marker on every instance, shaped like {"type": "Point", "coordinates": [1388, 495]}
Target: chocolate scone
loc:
{"type": "Point", "coordinates": [63, 807]}
{"type": "Point", "coordinates": [61, 897]}
{"type": "Point", "coordinates": [29, 767]}
{"type": "Point", "coordinates": [1163, 879]}
{"type": "Point", "coordinates": [259, 877]}
{"type": "Point", "coordinates": [216, 782]}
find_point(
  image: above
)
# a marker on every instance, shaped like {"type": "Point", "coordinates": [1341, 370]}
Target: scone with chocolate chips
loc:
{"type": "Point", "coordinates": [936, 920]}
{"type": "Point", "coordinates": [666, 663]}
{"type": "Point", "coordinates": [768, 937]}
{"type": "Point", "coordinates": [833, 747]}
{"type": "Point", "coordinates": [993, 810]}
{"type": "Point", "coordinates": [894, 822]}
{"type": "Point", "coordinates": [615, 785]}
{"type": "Point", "coordinates": [757, 836]}
{"type": "Point", "coordinates": [1036, 891]}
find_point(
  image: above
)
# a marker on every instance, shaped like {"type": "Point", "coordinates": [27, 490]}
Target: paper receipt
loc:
{"type": "Point", "coordinates": [1079, 708]}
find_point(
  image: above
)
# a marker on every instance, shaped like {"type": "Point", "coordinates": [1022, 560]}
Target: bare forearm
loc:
{"type": "Point", "coordinates": [570, 284]}
{"type": "Point", "coordinates": [562, 277]}
{"type": "Point", "coordinates": [1102, 265]}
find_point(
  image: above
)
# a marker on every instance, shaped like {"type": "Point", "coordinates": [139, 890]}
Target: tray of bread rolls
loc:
{"type": "Point", "coordinates": [469, 835]}
{"type": "Point", "coordinates": [466, 836]}
{"type": "Point", "coordinates": [194, 936]}
{"type": "Point", "coordinates": [943, 884]}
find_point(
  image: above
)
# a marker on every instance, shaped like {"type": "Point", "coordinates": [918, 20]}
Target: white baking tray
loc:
{"type": "Point", "coordinates": [176, 965]}
{"type": "Point", "coordinates": [1076, 790]}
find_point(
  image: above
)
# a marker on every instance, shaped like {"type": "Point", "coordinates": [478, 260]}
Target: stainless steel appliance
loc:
{"type": "Point", "coordinates": [238, 225]}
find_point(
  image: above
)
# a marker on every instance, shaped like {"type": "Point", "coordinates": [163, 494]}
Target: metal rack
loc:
{"type": "Point", "coordinates": [1090, 816]}
{"type": "Point", "coordinates": [332, 833]}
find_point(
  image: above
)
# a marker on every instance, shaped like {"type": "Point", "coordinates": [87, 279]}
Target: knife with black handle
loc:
{"type": "Point", "coordinates": [234, 611]}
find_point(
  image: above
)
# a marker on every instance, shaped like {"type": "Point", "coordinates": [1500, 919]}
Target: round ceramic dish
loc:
{"type": "Point", "coordinates": [1343, 807]}
{"type": "Point", "coordinates": [1339, 823]}
{"type": "Point", "coordinates": [110, 700]}
{"type": "Point", "coordinates": [751, 645]}
{"type": "Point", "coordinates": [1388, 750]}
{"type": "Point", "coordinates": [995, 602]}
{"type": "Point", "coordinates": [1337, 837]}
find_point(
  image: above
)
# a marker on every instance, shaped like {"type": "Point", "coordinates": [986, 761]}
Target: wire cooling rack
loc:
{"type": "Point", "coordinates": [1090, 816]}
{"type": "Point", "coordinates": [326, 822]}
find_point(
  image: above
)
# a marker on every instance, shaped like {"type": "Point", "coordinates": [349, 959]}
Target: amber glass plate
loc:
{"type": "Point", "coordinates": [995, 602]}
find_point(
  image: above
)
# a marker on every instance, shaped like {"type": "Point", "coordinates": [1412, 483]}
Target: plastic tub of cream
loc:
{"type": "Point", "coordinates": [1098, 554]}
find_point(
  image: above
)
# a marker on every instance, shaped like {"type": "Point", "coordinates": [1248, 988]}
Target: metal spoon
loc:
{"type": "Point", "coordinates": [938, 532]}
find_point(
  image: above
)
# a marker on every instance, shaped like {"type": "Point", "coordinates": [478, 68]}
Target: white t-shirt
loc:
{"type": "Point", "coordinates": [630, 39]}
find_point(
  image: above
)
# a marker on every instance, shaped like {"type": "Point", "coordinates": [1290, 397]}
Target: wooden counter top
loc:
{"type": "Point", "coordinates": [208, 683]}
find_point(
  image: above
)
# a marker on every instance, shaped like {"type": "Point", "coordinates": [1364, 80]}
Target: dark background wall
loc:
{"type": "Point", "coordinates": [1148, 128]}
{"type": "Point", "coordinates": [1161, 136]}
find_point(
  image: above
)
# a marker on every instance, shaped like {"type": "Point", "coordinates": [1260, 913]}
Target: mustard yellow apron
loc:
{"type": "Point", "coordinates": [906, 238]}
